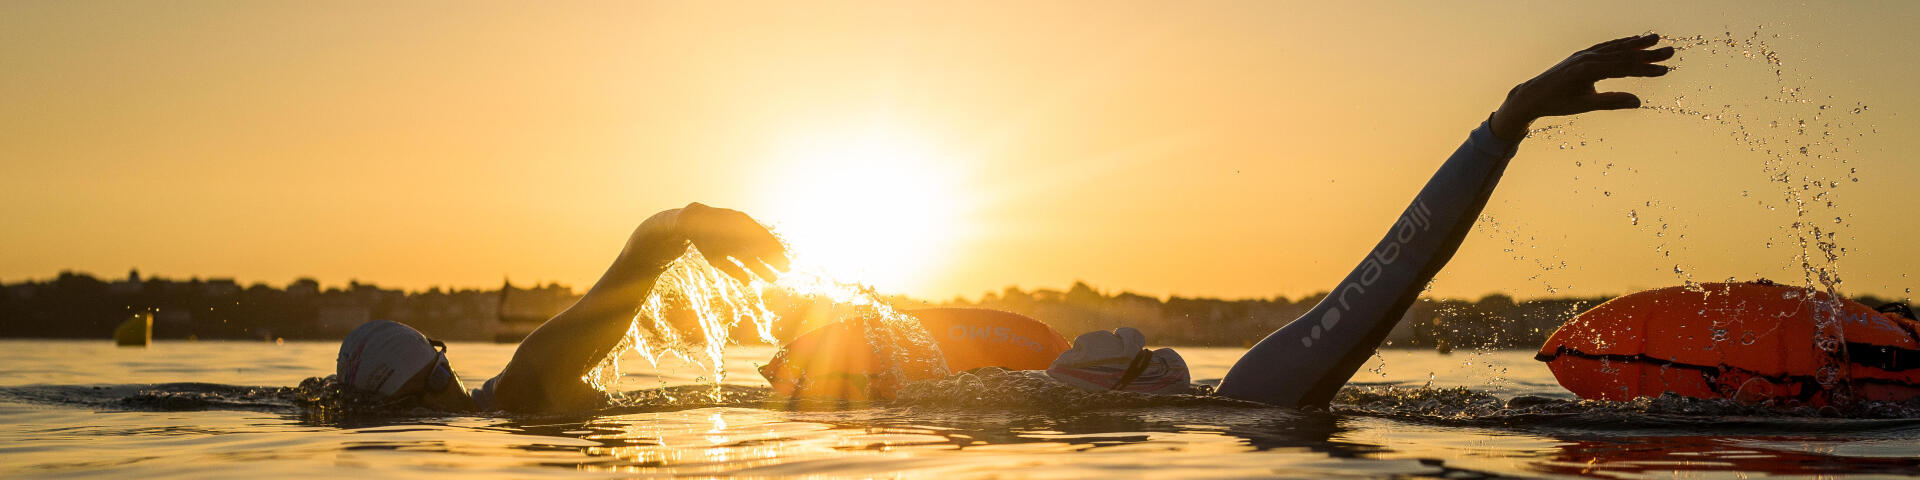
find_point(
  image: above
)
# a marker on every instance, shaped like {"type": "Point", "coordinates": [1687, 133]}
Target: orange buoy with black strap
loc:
{"type": "Point", "coordinates": [1751, 342]}
{"type": "Point", "coordinates": [847, 360]}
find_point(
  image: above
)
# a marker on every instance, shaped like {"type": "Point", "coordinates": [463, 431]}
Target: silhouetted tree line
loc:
{"type": "Point", "coordinates": [75, 305]}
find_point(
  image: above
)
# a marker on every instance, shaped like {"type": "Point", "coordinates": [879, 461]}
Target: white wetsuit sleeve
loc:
{"type": "Point", "coordinates": [1305, 362]}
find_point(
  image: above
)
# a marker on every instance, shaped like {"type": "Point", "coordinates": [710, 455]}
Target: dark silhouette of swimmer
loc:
{"type": "Point", "coordinates": [1301, 364]}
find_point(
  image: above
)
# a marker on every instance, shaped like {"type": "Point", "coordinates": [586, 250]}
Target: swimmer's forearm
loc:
{"type": "Point", "coordinates": [1305, 362]}
{"type": "Point", "coordinates": [572, 342]}
{"type": "Point", "coordinates": [625, 285]}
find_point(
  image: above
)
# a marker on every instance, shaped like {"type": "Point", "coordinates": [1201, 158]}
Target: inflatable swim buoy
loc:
{"type": "Point", "coordinates": [971, 338]}
{"type": "Point", "coordinates": [841, 361]}
{"type": "Point", "coordinates": [1749, 342]}
{"type": "Point", "coordinates": [135, 332]}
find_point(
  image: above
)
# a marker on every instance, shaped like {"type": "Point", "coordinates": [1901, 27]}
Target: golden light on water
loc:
{"type": "Point", "coordinates": [878, 205]}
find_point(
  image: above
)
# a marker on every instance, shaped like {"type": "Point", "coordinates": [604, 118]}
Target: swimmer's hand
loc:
{"type": "Point", "coordinates": [732, 242]}
{"type": "Point", "coordinates": [1567, 88]}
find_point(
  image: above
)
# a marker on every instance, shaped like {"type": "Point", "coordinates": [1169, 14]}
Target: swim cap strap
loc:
{"type": "Point", "coordinates": [1134, 369]}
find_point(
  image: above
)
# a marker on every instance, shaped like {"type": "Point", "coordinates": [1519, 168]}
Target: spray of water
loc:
{"type": "Point", "coordinates": [1802, 138]}
{"type": "Point", "coordinates": [694, 311]}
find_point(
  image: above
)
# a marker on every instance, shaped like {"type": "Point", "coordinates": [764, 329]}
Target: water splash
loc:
{"type": "Point", "coordinates": [695, 311]}
{"type": "Point", "coordinates": [1802, 138]}
{"type": "Point", "coordinates": [1525, 247]}
{"type": "Point", "coordinates": [1806, 166]}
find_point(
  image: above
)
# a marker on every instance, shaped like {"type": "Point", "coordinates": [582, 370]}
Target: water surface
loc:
{"type": "Point", "coordinates": [182, 410]}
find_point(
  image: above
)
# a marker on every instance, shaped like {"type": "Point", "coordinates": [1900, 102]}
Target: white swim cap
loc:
{"type": "Point", "coordinates": [1119, 360]}
{"type": "Point", "coordinates": [381, 355]}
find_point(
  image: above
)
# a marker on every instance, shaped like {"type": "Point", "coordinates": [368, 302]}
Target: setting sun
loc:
{"type": "Point", "coordinates": [876, 205]}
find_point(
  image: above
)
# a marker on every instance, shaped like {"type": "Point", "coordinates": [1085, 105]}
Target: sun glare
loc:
{"type": "Point", "coordinates": [877, 206]}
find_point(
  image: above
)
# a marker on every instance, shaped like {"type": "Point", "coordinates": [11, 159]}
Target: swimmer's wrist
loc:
{"type": "Point", "coordinates": [657, 242]}
{"type": "Point", "coordinates": [1508, 127]}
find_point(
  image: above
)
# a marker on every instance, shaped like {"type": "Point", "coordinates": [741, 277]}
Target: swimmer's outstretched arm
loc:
{"type": "Point", "coordinates": [1305, 362]}
{"type": "Point", "coordinates": [546, 370]}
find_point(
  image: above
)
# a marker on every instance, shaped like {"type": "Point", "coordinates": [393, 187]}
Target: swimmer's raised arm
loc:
{"type": "Point", "coordinates": [546, 370]}
{"type": "Point", "coordinates": [1308, 360]}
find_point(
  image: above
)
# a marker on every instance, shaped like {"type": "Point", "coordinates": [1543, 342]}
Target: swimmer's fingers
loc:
{"type": "Point", "coordinates": [1596, 71]}
{"type": "Point", "coordinates": [1633, 56]}
{"type": "Point", "coordinates": [763, 252]}
{"type": "Point", "coordinates": [1568, 87]}
{"type": "Point", "coordinates": [737, 267]}
{"type": "Point", "coordinates": [726, 265]}
{"type": "Point", "coordinates": [1656, 55]}
{"type": "Point", "coordinates": [767, 248]}
{"type": "Point", "coordinates": [1612, 44]}
{"type": "Point", "coordinates": [1637, 42]}
{"type": "Point", "coordinates": [725, 236]}
{"type": "Point", "coordinates": [779, 261]}
{"type": "Point", "coordinates": [1608, 101]}
{"type": "Point", "coordinates": [761, 268]}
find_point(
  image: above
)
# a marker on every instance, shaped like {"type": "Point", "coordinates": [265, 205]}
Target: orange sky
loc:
{"type": "Point", "coordinates": [1224, 148]}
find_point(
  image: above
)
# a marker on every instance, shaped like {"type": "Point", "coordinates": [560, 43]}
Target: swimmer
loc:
{"type": "Point", "coordinates": [1301, 364]}
{"type": "Point", "coordinates": [1306, 361]}
{"type": "Point", "coordinates": [398, 363]}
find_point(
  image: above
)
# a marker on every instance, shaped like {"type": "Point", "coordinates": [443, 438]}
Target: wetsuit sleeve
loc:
{"type": "Point", "coordinates": [1306, 361]}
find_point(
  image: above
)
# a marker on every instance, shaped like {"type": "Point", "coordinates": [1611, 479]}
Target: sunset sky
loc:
{"type": "Point", "coordinates": [1235, 149]}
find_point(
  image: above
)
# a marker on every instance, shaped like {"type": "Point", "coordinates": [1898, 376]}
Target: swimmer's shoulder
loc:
{"type": "Point", "coordinates": [493, 397]}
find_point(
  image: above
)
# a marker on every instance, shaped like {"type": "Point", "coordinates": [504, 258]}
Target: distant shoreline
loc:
{"type": "Point", "coordinates": [79, 306]}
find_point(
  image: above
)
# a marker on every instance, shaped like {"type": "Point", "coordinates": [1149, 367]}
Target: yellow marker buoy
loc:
{"type": "Point", "coordinates": [135, 332]}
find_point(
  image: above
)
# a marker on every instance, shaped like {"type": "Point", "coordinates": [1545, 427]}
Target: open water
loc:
{"type": "Point", "coordinates": [214, 410]}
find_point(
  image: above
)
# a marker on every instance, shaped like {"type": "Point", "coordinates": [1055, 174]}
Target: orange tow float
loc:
{"type": "Point", "coordinates": [842, 360]}
{"type": "Point", "coordinates": [1750, 342]}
